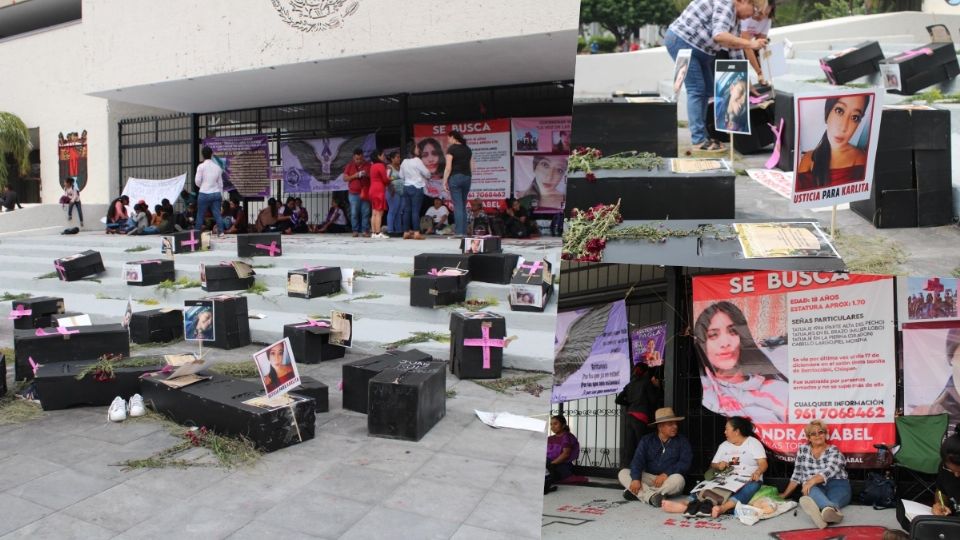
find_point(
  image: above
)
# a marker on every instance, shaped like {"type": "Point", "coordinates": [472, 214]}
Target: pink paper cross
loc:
{"type": "Point", "coordinates": [534, 267]}
{"type": "Point", "coordinates": [60, 269]}
{"type": "Point", "coordinates": [273, 249]}
{"type": "Point", "coordinates": [828, 71]}
{"type": "Point", "coordinates": [775, 155]}
{"type": "Point", "coordinates": [759, 99]}
{"type": "Point", "coordinates": [20, 311]}
{"type": "Point", "coordinates": [313, 323]}
{"type": "Point", "coordinates": [60, 330]}
{"type": "Point", "coordinates": [486, 343]}
{"type": "Point", "coordinates": [192, 242]}
{"type": "Point", "coordinates": [914, 53]}
{"type": "Point", "coordinates": [33, 365]}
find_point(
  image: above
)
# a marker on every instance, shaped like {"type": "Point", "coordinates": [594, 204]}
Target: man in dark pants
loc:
{"type": "Point", "coordinates": [10, 199]}
{"type": "Point", "coordinates": [661, 460]}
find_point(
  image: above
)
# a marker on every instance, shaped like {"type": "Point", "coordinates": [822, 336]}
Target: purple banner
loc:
{"type": "Point", "coordinates": [316, 165]}
{"type": "Point", "coordinates": [592, 355]}
{"type": "Point", "coordinates": [648, 344]}
{"type": "Point", "coordinates": [246, 162]}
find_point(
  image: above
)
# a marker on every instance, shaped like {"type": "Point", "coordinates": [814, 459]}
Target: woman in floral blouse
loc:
{"type": "Point", "coordinates": [820, 472]}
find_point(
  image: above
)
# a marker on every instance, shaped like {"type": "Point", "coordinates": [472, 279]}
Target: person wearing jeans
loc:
{"type": "Point", "coordinates": [415, 176]}
{"type": "Point", "coordinates": [706, 27]}
{"type": "Point", "coordinates": [456, 178]}
{"type": "Point", "coordinates": [820, 470]}
{"type": "Point", "coordinates": [357, 175]}
{"type": "Point", "coordinates": [209, 181]}
{"type": "Point", "coordinates": [71, 192]}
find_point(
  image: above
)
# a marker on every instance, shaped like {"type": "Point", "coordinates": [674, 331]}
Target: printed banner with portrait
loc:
{"type": "Point", "coordinates": [731, 91]}
{"type": "Point", "coordinates": [648, 344]}
{"type": "Point", "coordinates": [592, 352]}
{"type": "Point", "coordinates": [541, 135]}
{"type": "Point", "coordinates": [245, 160]}
{"type": "Point", "coordinates": [927, 299]}
{"type": "Point", "coordinates": [541, 182]}
{"type": "Point", "coordinates": [931, 370]}
{"type": "Point", "coordinates": [835, 146]}
{"type": "Point", "coordinates": [72, 155]}
{"type": "Point", "coordinates": [316, 165]}
{"type": "Point", "coordinates": [785, 348]}
{"type": "Point", "coordinates": [490, 142]}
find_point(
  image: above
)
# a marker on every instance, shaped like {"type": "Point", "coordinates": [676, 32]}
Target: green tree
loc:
{"type": "Point", "coordinates": [621, 17]}
{"type": "Point", "coordinates": [15, 142]}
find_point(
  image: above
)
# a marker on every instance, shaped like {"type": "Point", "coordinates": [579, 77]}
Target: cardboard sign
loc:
{"type": "Point", "coordinates": [277, 368]}
{"type": "Point", "coordinates": [198, 319]}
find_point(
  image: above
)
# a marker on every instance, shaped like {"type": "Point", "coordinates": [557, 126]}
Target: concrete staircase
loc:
{"type": "Point", "coordinates": [378, 320]}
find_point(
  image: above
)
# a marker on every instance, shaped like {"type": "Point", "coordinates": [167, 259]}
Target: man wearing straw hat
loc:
{"type": "Point", "coordinates": [659, 463]}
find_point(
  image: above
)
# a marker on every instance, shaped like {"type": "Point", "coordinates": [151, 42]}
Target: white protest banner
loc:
{"type": "Point", "coordinates": [154, 191]}
{"type": "Point", "coordinates": [592, 352]}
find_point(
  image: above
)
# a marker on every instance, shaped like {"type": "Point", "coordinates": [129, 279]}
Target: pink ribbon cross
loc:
{"type": "Point", "coordinates": [759, 99]}
{"type": "Point", "coordinates": [33, 365]}
{"type": "Point", "coordinates": [192, 242]}
{"type": "Point", "coordinates": [273, 249]}
{"type": "Point", "coordinates": [313, 323]}
{"type": "Point", "coordinates": [60, 330]}
{"type": "Point", "coordinates": [775, 155]}
{"type": "Point", "coordinates": [60, 270]}
{"type": "Point", "coordinates": [151, 261]}
{"type": "Point", "coordinates": [20, 311]}
{"type": "Point", "coordinates": [828, 71]}
{"type": "Point", "coordinates": [914, 53]}
{"type": "Point", "coordinates": [486, 343]}
{"type": "Point", "coordinates": [534, 267]}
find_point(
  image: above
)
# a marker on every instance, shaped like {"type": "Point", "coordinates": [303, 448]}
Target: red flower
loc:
{"type": "Point", "coordinates": [596, 245]}
{"type": "Point", "coordinates": [591, 177]}
{"type": "Point", "coordinates": [566, 255]}
{"type": "Point", "coordinates": [597, 153]}
{"type": "Point", "coordinates": [589, 258]}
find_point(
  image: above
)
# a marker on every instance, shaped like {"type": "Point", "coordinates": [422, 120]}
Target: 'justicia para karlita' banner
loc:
{"type": "Point", "coordinates": [785, 348]}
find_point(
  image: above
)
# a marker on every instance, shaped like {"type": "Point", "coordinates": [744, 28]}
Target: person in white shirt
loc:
{"type": "Point", "coordinates": [415, 176]}
{"type": "Point", "coordinates": [209, 181]}
{"type": "Point", "coordinates": [439, 214]}
{"type": "Point", "coordinates": [758, 27]}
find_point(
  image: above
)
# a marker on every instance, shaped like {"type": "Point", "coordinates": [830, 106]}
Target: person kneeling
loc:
{"type": "Point", "coordinates": [659, 463]}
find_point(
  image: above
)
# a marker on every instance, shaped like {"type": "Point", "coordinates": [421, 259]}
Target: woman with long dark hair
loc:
{"type": "Point", "coordinates": [378, 192]}
{"type": "Point", "coordinates": [949, 399]}
{"type": "Point", "coordinates": [457, 174]}
{"type": "Point", "coordinates": [834, 161]}
{"type": "Point", "coordinates": [738, 378]}
{"type": "Point", "coordinates": [563, 449]}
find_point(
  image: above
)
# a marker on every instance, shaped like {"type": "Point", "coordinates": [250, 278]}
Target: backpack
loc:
{"type": "Point", "coordinates": [879, 490]}
{"type": "Point", "coordinates": [72, 230]}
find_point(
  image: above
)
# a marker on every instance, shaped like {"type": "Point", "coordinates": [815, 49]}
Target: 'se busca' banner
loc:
{"type": "Point", "coordinates": [785, 348]}
{"type": "Point", "coordinates": [592, 352]}
{"type": "Point", "coordinates": [246, 161]}
{"type": "Point", "coordinates": [931, 370]}
{"type": "Point", "coordinates": [490, 142]}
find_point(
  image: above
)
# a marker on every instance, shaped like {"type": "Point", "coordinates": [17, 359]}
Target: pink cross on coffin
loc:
{"type": "Point", "coordinates": [914, 53]}
{"type": "Point", "coordinates": [273, 248]}
{"type": "Point", "coordinates": [312, 268]}
{"type": "Point", "coordinates": [775, 155]}
{"type": "Point", "coordinates": [192, 242]}
{"type": "Point", "coordinates": [33, 365]}
{"type": "Point", "coordinates": [486, 343]}
{"type": "Point", "coordinates": [534, 267]}
{"type": "Point", "coordinates": [828, 71]}
{"type": "Point", "coordinates": [60, 270]}
{"type": "Point", "coordinates": [60, 330]}
{"type": "Point", "coordinates": [313, 323]}
{"type": "Point", "coordinates": [20, 311]}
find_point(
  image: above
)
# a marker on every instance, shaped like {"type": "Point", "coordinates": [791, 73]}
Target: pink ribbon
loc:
{"type": "Point", "coordinates": [313, 323]}
{"type": "Point", "coordinates": [828, 71]}
{"type": "Point", "coordinates": [33, 365]}
{"type": "Point", "coordinates": [272, 248]}
{"type": "Point", "coordinates": [759, 99]}
{"type": "Point", "coordinates": [534, 267]}
{"type": "Point", "coordinates": [20, 311]}
{"type": "Point", "coordinates": [775, 155]}
{"type": "Point", "coordinates": [914, 53]}
{"type": "Point", "coordinates": [60, 269]}
{"type": "Point", "coordinates": [60, 330]}
{"type": "Point", "coordinates": [151, 261]}
{"type": "Point", "coordinates": [486, 343]}
{"type": "Point", "coordinates": [192, 242]}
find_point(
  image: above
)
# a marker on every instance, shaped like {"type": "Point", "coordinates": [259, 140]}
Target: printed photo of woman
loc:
{"type": "Point", "coordinates": [731, 110]}
{"type": "Point", "coordinates": [541, 181]}
{"type": "Point", "coordinates": [198, 321]}
{"type": "Point", "coordinates": [839, 154]}
{"type": "Point", "coordinates": [277, 367]}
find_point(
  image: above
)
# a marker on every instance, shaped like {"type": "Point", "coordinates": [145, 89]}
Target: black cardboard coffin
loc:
{"type": "Point", "coordinates": [156, 326]}
{"type": "Point", "coordinates": [783, 110]}
{"type": "Point", "coordinates": [49, 345]}
{"type": "Point", "coordinates": [425, 262]}
{"type": "Point", "coordinates": [925, 66]}
{"type": "Point", "coordinates": [467, 359]}
{"type": "Point", "coordinates": [431, 291]}
{"type": "Point", "coordinates": [3, 375]}
{"type": "Point", "coordinates": [889, 209]}
{"type": "Point", "coordinates": [531, 286]}
{"type": "Point", "coordinates": [311, 343]}
{"type": "Point", "coordinates": [259, 245]}
{"type": "Point", "coordinates": [480, 244]}
{"type": "Point", "coordinates": [224, 277]}
{"type": "Point", "coordinates": [153, 272]}
{"type": "Point", "coordinates": [41, 309]}
{"type": "Point", "coordinates": [315, 390]}
{"type": "Point", "coordinates": [231, 322]}
{"type": "Point", "coordinates": [406, 401]}
{"type": "Point", "coordinates": [861, 61]}
{"type": "Point", "coordinates": [761, 117]}
{"type": "Point", "coordinates": [59, 388]}
{"type": "Point", "coordinates": [624, 124]}
{"type": "Point", "coordinates": [931, 129]}
{"type": "Point", "coordinates": [357, 375]}
{"type": "Point", "coordinates": [79, 265]}
{"type": "Point", "coordinates": [189, 241]}
{"type": "Point", "coordinates": [493, 267]}
{"type": "Point", "coordinates": [312, 282]}
{"type": "Point", "coordinates": [217, 404]}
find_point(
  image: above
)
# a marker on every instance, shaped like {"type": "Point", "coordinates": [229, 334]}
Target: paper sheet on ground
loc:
{"type": "Point", "coordinates": [510, 420]}
{"type": "Point", "coordinates": [792, 239]}
{"type": "Point", "coordinates": [913, 509]}
{"type": "Point", "coordinates": [780, 182]}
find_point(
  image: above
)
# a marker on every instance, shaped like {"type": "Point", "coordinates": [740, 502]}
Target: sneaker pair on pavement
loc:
{"type": "Point", "coordinates": [120, 409]}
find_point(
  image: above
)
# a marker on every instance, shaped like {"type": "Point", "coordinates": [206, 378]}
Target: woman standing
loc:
{"type": "Point", "coordinates": [456, 178]}
{"type": "Point", "coordinates": [820, 470]}
{"type": "Point", "coordinates": [378, 194]}
{"type": "Point", "coordinates": [563, 449]}
{"type": "Point", "coordinates": [394, 194]}
{"type": "Point", "coordinates": [415, 176]}
{"type": "Point", "coordinates": [706, 27]}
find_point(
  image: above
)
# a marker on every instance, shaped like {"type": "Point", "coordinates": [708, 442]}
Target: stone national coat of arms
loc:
{"type": "Point", "coordinates": [315, 15]}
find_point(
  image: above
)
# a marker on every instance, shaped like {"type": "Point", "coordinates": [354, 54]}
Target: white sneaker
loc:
{"type": "Point", "coordinates": [135, 408]}
{"type": "Point", "coordinates": [118, 410]}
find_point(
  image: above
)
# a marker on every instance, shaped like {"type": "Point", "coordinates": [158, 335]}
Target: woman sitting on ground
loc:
{"type": "Point", "coordinates": [267, 218]}
{"type": "Point", "coordinates": [820, 470]}
{"type": "Point", "coordinates": [140, 220]}
{"type": "Point", "coordinates": [239, 225]}
{"type": "Point", "coordinates": [117, 217]}
{"type": "Point", "coordinates": [518, 221]}
{"type": "Point", "coordinates": [744, 455]}
{"type": "Point", "coordinates": [946, 500]}
{"type": "Point", "coordinates": [478, 224]}
{"type": "Point", "coordinates": [336, 221]}
{"type": "Point", "coordinates": [563, 449]}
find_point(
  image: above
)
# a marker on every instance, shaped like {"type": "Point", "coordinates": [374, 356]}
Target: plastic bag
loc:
{"type": "Point", "coordinates": [747, 515]}
{"type": "Point", "coordinates": [766, 491]}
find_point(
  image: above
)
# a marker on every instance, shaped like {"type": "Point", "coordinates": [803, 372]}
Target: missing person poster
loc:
{"type": "Point", "coordinates": [648, 344]}
{"type": "Point", "coordinates": [198, 319]}
{"type": "Point", "coordinates": [541, 182]}
{"type": "Point", "coordinates": [835, 146]}
{"type": "Point", "coordinates": [731, 108]}
{"type": "Point", "coordinates": [277, 368]}
{"type": "Point", "coordinates": [931, 370]}
{"type": "Point", "coordinates": [592, 352]}
{"type": "Point", "coordinates": [784, 348]}
{"type": "Point", "coordinates": [541, 135]}
{"type": "Point", "coordinates": [490, 142]}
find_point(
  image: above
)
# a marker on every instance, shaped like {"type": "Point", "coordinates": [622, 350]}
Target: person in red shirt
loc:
{"type": "Point", "coordinates": [378, 194]}
{"type": "Point", "coordinates": [357, 175]}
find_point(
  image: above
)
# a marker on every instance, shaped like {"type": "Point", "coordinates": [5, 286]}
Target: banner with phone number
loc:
{"type": "Point", "coordinates": [785, 348]}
